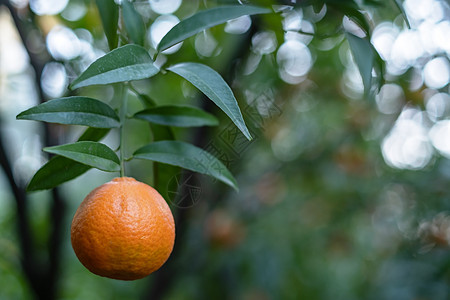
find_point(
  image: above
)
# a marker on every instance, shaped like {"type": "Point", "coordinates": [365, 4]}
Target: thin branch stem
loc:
{"type": "Point", "coordinates": [402, 10]}
{"type": "Point", "coordinates": [123, 117]}
{"type": "Point", "coordinates": [339, 30]}
{"type": "Point", "coordinates": [133, 89]}
{"type": "Point", "coordinates": [155, 175]}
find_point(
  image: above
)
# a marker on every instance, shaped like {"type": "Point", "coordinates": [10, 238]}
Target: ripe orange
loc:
{"type": "Point", "coordinates": [123, 229]}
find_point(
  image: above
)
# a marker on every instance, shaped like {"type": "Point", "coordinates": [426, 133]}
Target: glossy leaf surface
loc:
{"type": "Point", "coordinates": [93, 154]}
{"type": "Point", "coordinates": [133, 23]}
{"type": "Point", "coordinates": [73, 111]}
{"type": "Point", "coordinates": [188, 157]}
{"type": "Point", "coordinates": [56, 171]}
{"type": "Point", "coordinates": [109, 14]}
{"type": "Point", "coordinates": [129, 62]}
{"type": "Point", "coordinates": [179, 116]}
{"type": "Point", "coordinates": [215, 88]}
{"type": "Point", "coordinates": [93, 134]}
{"type": "Point", "coordinates": [60, 169]}
{"type": "Point", "coordinates": [364, 58]}
{"type": "Point", "coordinates": [204, 20]}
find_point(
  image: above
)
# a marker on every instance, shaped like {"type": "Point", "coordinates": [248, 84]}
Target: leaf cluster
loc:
{"type": "Point", "coordinates": [123, 65]}
{"type": "Point", "coordinates": [131, 62]}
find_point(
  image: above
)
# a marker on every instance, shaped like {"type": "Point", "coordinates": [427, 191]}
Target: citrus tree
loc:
{"type": "Point", "coordinates": [135, 105]}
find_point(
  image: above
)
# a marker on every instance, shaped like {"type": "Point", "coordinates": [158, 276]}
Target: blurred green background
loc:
{"type": "Point", "coordinates": [342, 195]}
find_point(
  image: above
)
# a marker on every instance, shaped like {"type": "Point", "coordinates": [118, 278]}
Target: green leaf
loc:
{"type": "Point", "coordinates": [163, 173]}
{"type": "Point", "coordinates": [374, 3]}
{"type": "Point", "coordinates": [351, 9]}
{"type": "Point", "coordinates": [60, 169]}
{"type": "Point", "coordinates": [133, 22]}
{"type": "Point", "coordinates": [56, 171]}
{"type": "Point", "coordinates": [379, 67]}
{"type": "Point", "coordinates": [359, 19]}
{"type": "Point", "coordinates": [215, 88]}
{"type": "Point", "coordinates": [177, 115]}
{"type": "Point", "coordinates": [129, 62]}
{"type": "Point", "coordinates": [399, 5]}
{"type": "Point", "coordinates": [363, 54]}
{"type": "Point", "coordinates": [109, 14]}
{"type": "Point", "coordinates": [146, 101]}
{"type": "Point", "coordinates": [93, 154]}
{"type": "Point", "coordinates": [93, 134]}
{"type": "Point", "coordinates": [206, 19]}
{"type": "Point", "coordinates": [73, 111]}
{"type": "Point", "coordinates": [160, 132]}
{"type": "Point", "coordinates": [188, 157]}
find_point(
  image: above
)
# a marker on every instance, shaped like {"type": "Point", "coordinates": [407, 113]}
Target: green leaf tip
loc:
{"type": "Point", "coordinates": [55, 172]}
{"type": "Point", "coordinates": [73, 111]}
{"type": "Point", "coordinates": [93, 154]}
{"type": "Point", "coordinates": [215, 88]}
{"type": "Point", "coordinates": [109, 15]}
{"type": "Point", "coordinates": [126, 63]}
{"type": "Point", "coordinates": [363, 54]}
{"type": "Point", "coordinates": [133, 22]}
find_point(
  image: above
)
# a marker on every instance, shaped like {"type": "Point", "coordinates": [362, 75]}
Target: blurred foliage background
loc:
{"type": "Point", "coordinates": [343, 195]}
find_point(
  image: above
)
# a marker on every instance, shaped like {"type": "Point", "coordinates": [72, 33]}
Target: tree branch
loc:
{"type": "Point", "coordinates": [27, 259]}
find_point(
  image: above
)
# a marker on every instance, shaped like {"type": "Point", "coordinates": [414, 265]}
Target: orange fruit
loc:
{"type": "Point", "coordinates": [123, 229]}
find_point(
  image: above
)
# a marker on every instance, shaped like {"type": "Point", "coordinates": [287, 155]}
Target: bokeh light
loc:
{"type": "Point", "coordinates": [351, 83]}
{"type": "Point", "coordinates": [438, 106]}
{"type": "Point", "coordinates": [14, 58]}
{"type": "Point", "coordinates": [264, 42]}
{"type": "Point", "coordinates": [316, 167]}
{"type": "Point", "coordinates": [54, 79]}
{"type": "Point", "coordinates": [440, 137]}
{"type": "Point", "coordinates": [437, 72]}
{"type": "Point", "coordinates": [407, 145]}
{"type": "Point", "coordinates": [292, 20]}
{"type": "Point", "coordinates": [74, 11]}
{"type": "Point", "coordinates": [406, 50]}
{"type": "Point", "coordinates": [383, 39]}
{"type": "Point", "coordinates": [294, 60]}
{"type": "Point", "coordinates": [390, 99]}
{"type": "Point", "coordinates": [48, 7]}
{"type": "Point", "coordinates": [164, 7]}
{"type": "Point", "coordinates": [160, 27]}
{"type": "Point", "coordinates": [420, 10]}
{"type": "Point", "coordinates": [403, 48]}
{"type": "Point", "coordinates": [440, 36]}
{"type": "Point", "coordinates": [62, 43]}
{"type": "Point", "coordinates": [239, 25]}
{"type": "Point", "coordinates": [285, 145]}
{"type": "Point", "coordinates": [206, 45]}
{"type": "Point", "coordinates": [421, 54]}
